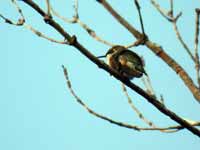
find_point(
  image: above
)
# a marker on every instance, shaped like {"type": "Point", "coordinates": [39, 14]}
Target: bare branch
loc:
{"type": "Point", "coordinates": [144, 119]}
{"type": "Point", "coordinates": [48, 7]}
{"type": "Point", "coordinates": [139, 114]}
{"type": "Point", "coordinates": [170, 17]}
{"type": "Point", "coordinates": [40, 34]}
{"type": "Point", "coordinates": [20, 21]}
{"type": "Point", "coordinates": [162, 11]}
{"type": "Point", "coordinates": [73, 20]}
{"type": "Point", "coordinates": [182, 41]}
{"type": "Point", "coordinates": [18, 9]}
{"type": "Point", "coordinates": [76, 19]}
{"type": "Point", "coordinates": [6, 19]}
{"type": "Point", "coordinates": [196, 46]}
{"type": "Point", "coordinates": [93, 34]}
{"type": "Point", "coordinates": [140, 16]}
{"type": "Point", "coordinates": [76, 9]}
{"type": "Point", "coordinates": [162, 100]}
{"type": "Point", "coordinates": [171, 12]}
{"type": "Point", "coordinates": [137, 42]}
{"type": "Point", "coordinates": [148, 85]}
{"type": "Point", "coordinates": [170, 129]}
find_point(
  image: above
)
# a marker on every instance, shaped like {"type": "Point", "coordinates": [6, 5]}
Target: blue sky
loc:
{"type": "Point", "coordinates": [38, 112]}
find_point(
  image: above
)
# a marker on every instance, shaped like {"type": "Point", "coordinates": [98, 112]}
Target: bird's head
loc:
{"type": "Point", "coordinates": [114, 50]}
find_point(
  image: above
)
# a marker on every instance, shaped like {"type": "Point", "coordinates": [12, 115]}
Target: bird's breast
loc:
{"type": "Point", "coordinates": [112, 62]}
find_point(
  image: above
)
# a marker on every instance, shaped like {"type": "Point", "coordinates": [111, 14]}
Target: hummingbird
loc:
{"type": "Point", "coordinates": [126, 62]}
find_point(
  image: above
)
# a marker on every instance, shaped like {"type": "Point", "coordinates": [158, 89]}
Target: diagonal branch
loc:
{"type": "Point", "coordinates": [174, 22]}
{"type": "Point", "coordinates": [196, 46]}
{"type": "Point", "coordinates": [182, 41]}
{"type": "Point", "coordinates": [40, 34]}
{"type": "Point", "coordinates": [73, 41]}
{"type": "Point", "coordinates": [136, 110]}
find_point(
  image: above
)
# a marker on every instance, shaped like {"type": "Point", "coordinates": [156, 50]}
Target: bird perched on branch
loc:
{"type": "Point", "coordinates": [126, 62]}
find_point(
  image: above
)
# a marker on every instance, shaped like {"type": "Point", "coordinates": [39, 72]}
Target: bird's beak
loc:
{"type": "Point", "coordinates": [101, 56]}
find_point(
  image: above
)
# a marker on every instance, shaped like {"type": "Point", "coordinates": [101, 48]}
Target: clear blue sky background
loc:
{"type": "Point", "coordinates": [37, 111]}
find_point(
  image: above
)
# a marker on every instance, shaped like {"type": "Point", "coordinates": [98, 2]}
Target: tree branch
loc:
{"type": "Point", "coordinates": [40, 34]}
{"type": "Point", "coordinates": [140, 16]}
{"type": "Point", "coordinates": [196, 46]}
{"type": "Point", "coordinates": [48, 7]}
{"type": "Point", "coordinates": [135, 109]}
{"type": "Point", "coordinates": [76, 19]}
{"type": "Point", "coordinates": [170, 17]}
{"type": "Point", "coordinates": [73, 41]}
{"type": "Point", "coordinates": [20, 21]}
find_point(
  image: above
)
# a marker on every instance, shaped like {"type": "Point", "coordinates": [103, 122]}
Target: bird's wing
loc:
{"type": "Point", "coordinates": [132, 60]}
{"type": "Point", "coordinates": [132, 57]}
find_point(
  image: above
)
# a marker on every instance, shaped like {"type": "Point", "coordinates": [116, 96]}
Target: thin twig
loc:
{"type": "Point", "coordinates": [76, 19]}
{"type": "Point", "coordinates": [93, 34]}
{"type": "Point", "coordinates": [18, 9]}
{"type": "Point", "coordinates": [73, 20]}
{"type": "Point", "coordinates": [182, 41]}
{"type": "Point", "coordinates": [170, 17]}
{"type": "Point", "coordinates": [48, 7]}
{"type": "Point", "coordinates": [40, 34]}
{"type": "Point", "coordinates": [140, 16]}
{"type": "Point", "coordinates": [136, 43]}
{"type": "Point", "coordinates": [147, 82]}
{"type": "Point", "coordinates": [162, 100]}
{"type": "Point", "coordinates": [161, 11]}
{"type": "Point", "coordinates": [76, 9]}
{"type": "Point", "coordinates": [196, 42]}
{"type": "Point", "coordinates": [20, 21]}
{"type": "Point", "coordinates": [139, 114]}
{"type": "Point", "coordinates": [144, 119]}
{"type": "Point", "coordinates": [171, 12]}
{"type": "Point", "coordinates": [170, 129]}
